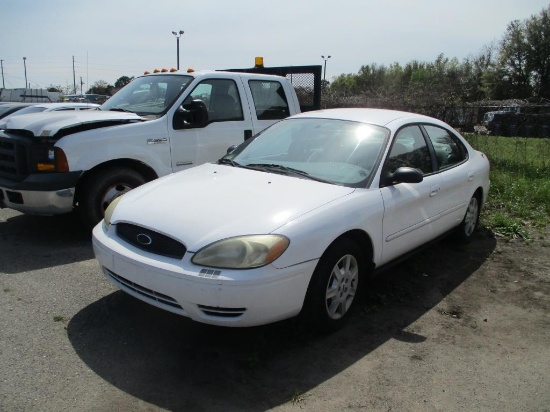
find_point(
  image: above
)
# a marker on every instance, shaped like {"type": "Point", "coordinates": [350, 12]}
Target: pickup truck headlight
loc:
{"type": "Point", "coordinates": [243, 252]}
{"type": "Point", "coordinates": [54, 161]}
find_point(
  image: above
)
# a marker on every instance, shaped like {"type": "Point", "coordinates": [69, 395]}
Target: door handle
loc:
{"type": "Point", "coordinates": [434, 190]}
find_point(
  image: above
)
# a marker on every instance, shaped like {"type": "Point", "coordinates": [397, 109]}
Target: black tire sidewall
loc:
{"type": "Point", "coordinates": [314, 313]}
{"type": "Point", "coordinates": [95, 187]}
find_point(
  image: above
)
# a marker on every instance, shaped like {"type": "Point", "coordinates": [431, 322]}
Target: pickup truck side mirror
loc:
{"type": "Point", "coordinates": [190, 116]}
{"type": "Point", "coordinates": [402, 175]}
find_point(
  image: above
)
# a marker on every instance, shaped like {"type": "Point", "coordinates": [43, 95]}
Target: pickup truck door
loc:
{"type": "Point", "coordinates": [270, 101]}
{"type": "Point", "coordinates": [229, 123]}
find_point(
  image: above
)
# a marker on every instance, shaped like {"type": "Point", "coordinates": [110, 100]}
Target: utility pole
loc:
{"type": "Point", "coordinates": [2, 65]}
{"type": "Point", "coordinates": [74, 78]}
{"type": "Point", "coordinates": [81, 87]}
{"type": "Point", "coordinates": [25, 64]}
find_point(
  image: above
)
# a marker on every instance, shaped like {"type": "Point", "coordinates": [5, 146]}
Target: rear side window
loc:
{"type": "Point", "coordinates": [449, 151]}
{"type": "Point", "coordinates": [269, 99]}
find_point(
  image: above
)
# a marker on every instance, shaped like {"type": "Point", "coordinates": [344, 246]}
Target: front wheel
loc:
{"type": "Point", "coordinates": [101, 188]}
{"type": "Point", "coordinates": [334, 287]}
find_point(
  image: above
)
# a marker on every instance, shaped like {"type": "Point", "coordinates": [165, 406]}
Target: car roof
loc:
{"type": "Point", "coordinates": [381, 117]}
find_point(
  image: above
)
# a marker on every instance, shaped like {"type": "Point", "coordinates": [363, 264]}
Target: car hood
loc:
{"type": "Point", "coordinates": [212, 202]}
{"type": "Point", "coordinates": [51, 123]}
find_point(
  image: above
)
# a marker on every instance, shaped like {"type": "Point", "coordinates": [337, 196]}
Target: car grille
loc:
{"type": "Point", "coordinates": [13, 159]}
{"type": "Point", "coordinates": [150, 241]}
{"type": "Point", "coordinates": [146, 293]}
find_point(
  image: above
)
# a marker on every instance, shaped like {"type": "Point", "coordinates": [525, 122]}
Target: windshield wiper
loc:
{"type": "Point", "coordinates": [277, 168]}
{"type": "Point", "coordinates": [118, 109]}
{"type": "Point", "coordinates": [229, 162]}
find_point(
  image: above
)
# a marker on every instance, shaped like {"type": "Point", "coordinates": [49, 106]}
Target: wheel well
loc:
{"type": "Point", "coordinates": [479, 194]}
{"type": "Point", "coordinates": [364, 241]}
{"type": "Point", "coordinates": [147, 172]}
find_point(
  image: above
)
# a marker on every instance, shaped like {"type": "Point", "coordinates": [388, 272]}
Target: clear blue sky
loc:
{"type": "Point", "coordinates": [112, 38]}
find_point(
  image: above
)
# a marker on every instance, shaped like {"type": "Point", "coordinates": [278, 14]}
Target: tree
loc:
{"type": "Point", "coordinates": [123, 81]}
{"type": "Point", "coordinates": [513, 60]}
{"type": "Point", "coordinates": [101, 87]}
{"type": "Point", "coordinates": [537, 33]}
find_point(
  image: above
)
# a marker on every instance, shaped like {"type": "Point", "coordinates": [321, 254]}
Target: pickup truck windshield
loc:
{"type": "Point", "coordinates": [148, 95]}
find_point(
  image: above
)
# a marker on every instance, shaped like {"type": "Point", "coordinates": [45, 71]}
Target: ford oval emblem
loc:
{"type": "Point", "coordinates": [144, 239]}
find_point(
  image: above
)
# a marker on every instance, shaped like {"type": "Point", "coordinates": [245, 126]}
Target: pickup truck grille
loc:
{"type": "Point", "coordinates": [13, 159]}
{"type": "Point", "coordinates": [150, 241]}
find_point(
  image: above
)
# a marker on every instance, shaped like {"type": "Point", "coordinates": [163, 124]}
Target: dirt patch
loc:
{"type": "Point", "coordinates": [451, 329]}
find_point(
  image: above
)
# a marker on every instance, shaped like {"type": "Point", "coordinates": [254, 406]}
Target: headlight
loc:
{"type": "Point", "coordinates": [243, 252]}
{"type": "Point", "coordinates": [109, 212]}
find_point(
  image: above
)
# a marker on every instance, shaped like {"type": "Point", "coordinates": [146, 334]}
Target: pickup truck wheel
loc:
{"type": "Point", "coordinates": [102, 188]}
{"type": "Point", "coordinates": [334, 287]}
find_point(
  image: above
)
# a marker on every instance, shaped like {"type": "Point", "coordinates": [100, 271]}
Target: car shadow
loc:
{"type": "Point", "coordinates": [176, 364]}
{"type": "Point", "coordinates": [35, 242]}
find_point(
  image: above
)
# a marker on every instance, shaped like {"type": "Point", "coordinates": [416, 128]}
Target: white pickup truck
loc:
{"type": "Point", "coordinates": [158, 124]}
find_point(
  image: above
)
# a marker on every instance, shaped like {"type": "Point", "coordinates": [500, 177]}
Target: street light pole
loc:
{"type": "Point", "coordinates": [178, 35]}
{"type": "Point", "coordinates": [325, 73]}
{"type": "Point", "coordinates": [25, 65]}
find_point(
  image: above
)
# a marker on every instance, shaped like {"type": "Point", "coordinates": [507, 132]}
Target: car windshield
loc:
{"type": "Point", "coordinates": [148, 95]}
{"type": "Point", "coordinates": [334, 151]}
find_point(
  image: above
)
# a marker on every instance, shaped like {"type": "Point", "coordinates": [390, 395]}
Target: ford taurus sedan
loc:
{"type": "Point", "coordinates": [293, 220]}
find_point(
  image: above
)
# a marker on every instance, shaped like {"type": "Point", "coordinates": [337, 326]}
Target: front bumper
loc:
{"type": "Point", "coordinates": [40, 194]}
{"type": "Point", "coordinates": [223, 297]}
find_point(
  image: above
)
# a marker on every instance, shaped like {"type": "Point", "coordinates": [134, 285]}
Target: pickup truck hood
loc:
{"type": "Point", "coordinates": [207, 203]}
{"type": "Point", "coordinates": [49, 124]}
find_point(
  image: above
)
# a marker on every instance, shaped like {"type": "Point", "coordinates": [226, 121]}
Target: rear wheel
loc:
{"type": "Point", "coordinates": [334, 287]}
{"type": "Point", "coordinates": [101, 188]}
{"type": "Point", "coordinates": [470, 223]}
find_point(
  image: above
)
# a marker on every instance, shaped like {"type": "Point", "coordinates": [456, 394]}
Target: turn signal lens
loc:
{"type": "Point", "coordinates": [61, 163]}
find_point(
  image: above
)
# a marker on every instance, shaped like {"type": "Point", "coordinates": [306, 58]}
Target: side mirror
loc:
{"type": "Point", "coordinates": [403, 175]}
{"type": "Point", "coordinates": [231, 148]}
{"type": "Point", "coordinates": [190, 116]}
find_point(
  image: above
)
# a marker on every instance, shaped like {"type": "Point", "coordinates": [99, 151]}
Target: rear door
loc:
{"type": "Point", "coordinates": [457, 176]}
{"type": "Point", "coordinates": [270, 101]}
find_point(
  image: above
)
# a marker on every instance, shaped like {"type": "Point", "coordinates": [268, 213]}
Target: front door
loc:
{"type": "Point", "coordinates": [409, 208]}
{"type": "Point", "coordinates": [228, 124]}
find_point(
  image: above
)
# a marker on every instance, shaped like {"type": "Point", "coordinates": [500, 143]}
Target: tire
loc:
{"type": "Point", "coordinates": [334, 287]}
{"type": "Point", "coordinates": [467, 228]}
{"type": "Point", "coordinates": [101, 188]}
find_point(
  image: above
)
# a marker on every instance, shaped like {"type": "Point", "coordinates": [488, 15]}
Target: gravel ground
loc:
{"type": "Point", "coordinates": [452, 329]}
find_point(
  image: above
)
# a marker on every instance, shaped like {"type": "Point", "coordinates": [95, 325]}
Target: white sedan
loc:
{"type": "Point", "coordinates": [293, 220]}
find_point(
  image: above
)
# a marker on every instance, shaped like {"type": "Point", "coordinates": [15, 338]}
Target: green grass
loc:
{"type": "Point", "coordinates": [519, 198]}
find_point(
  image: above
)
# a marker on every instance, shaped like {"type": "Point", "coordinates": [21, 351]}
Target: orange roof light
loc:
{"type": "Point", "coordinates": [147, 72]}
{"type": "Point", "coordinates": [156, 71]}
{"type": "Point", "coordinates": [190, 70]}
{"type": "Point", "coordinates": [259, 62]}
{"type": "Point", "coordinates": [173, 69]}
{"type": "Point", "coordinates": [164, 70]}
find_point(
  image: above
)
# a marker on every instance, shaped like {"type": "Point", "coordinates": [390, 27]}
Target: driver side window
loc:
{"type": "Point", "coordinates": [409, 149]}
{"type": "Point", "coordinates": [221, 98]}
